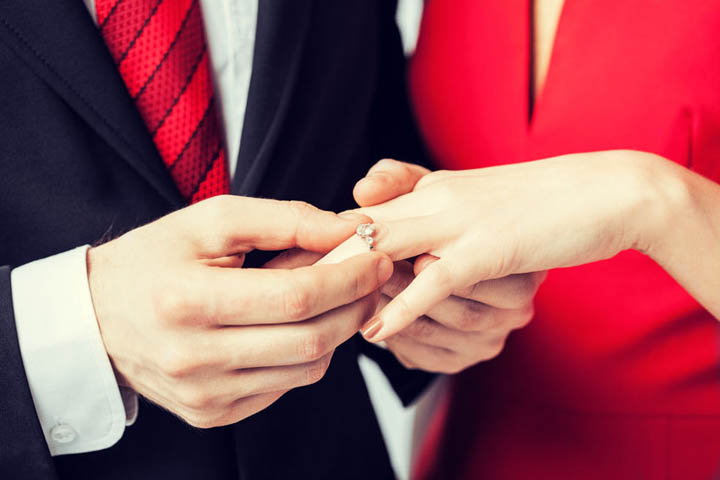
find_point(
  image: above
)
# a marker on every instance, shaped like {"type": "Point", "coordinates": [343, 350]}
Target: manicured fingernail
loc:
{"type": "Point", "coordinates": [371, 328]}
{"type": "Point", "coordinates": [352, 217]}
{"type": "Point", "coordinates": [385, 270]}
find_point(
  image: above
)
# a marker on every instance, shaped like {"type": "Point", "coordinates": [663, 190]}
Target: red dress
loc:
{"type": "Point", "coordinates": [618, 376]}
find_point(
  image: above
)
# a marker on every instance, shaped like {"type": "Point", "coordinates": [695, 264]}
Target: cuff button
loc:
{"type": "Point", "coordinates": [62, 433]}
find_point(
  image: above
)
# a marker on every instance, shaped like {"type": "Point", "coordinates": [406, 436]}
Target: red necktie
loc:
{"type": "Point", "coordinates": [159, 47]}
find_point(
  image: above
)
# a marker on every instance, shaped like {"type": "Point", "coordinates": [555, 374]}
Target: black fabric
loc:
{"type": "Point", "coordinates": [408, 384]}
{"type": "Point", "coordinates": [21, 452]}
{"type": "Point", "coordinates": [77, 166]}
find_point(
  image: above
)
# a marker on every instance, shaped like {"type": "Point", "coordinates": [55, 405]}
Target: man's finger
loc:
{"type": "Point", "coordinates": [253, 381]}
{"type": "Point", "coordinates": [386, 180]}
{"type": "Point", "coordinates": [288, 344]}
{"type": "Point", "coordinates": [227, 225]}
{"type": "Point", "coordinates": [268, 296]}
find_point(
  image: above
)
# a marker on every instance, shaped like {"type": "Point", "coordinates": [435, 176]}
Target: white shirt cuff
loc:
{"type": "Point", "coordinates": [76, 396]}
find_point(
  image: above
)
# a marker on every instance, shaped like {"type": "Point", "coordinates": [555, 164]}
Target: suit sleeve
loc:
{"type": "Point", "coordinates": [23, 450]}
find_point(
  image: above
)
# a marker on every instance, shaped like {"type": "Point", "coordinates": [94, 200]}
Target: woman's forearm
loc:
{"type": "Point", "coordinates": [683, 233]}
{"type": "Point", "coordinates": [557, 212]}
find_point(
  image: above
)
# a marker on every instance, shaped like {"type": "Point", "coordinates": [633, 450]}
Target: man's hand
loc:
{"type": "Point", "coordinates": [468, 327]}
{"type": "Point", "coordinates": [190, 330]}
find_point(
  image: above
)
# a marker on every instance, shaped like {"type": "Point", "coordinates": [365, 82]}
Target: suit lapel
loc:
{"type": "Point", "coordinates": [279, 45]}
{"type": "Point", "coordinates": [59, 42]}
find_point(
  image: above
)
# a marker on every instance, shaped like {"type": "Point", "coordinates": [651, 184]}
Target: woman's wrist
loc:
{"type": "Point", "coordinates": [665, 205]}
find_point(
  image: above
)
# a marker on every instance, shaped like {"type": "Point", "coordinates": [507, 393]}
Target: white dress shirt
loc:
{"type": "Point", "coordinates": [77, 399]}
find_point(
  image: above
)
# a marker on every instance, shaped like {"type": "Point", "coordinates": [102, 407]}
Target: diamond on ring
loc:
{"type": "Point", "coordinates": [366, 231]}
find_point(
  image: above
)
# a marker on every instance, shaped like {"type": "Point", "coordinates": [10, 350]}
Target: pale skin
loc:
{"type": "Point", "coordinates": [552, 213]}
{"type": "Point", "coordinates": [473, 323]}
{"type": "Point", "coordinates": [460, 331]}
{"type": "Point", "coordinates": [464, 328]}
{"type": "Point", "coordinates": [190, 330]}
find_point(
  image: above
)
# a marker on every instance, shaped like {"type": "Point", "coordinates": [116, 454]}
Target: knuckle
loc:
{"type": "Point", "coordinates": [431, 177]}
{"type": "Point", "coordinates": [220, 204]}
{"type": "Point", "coordinates": [538, 278]}
{"type": "Point", "coordinates": [301, 210]}
{"type": "Point", "coordinates": [521, 289]}
{"type": "Point", "coordinates": [439, 274]}
{"type": "Point", "coordinates": [175, 363]}
{"type": "Point", "coordinates": [171, 304]}
{"type": "Point", "coordinates": [527, 288]}
{"type": "Point", "coordinates": [195, 399]}
{"type": "Point", "coordinates": [404, 309]}
{"type": "Point", "coordinates": [407, 363]}
{"type": "Point", "coordinates": [422, 328]}
{"type": "Point", "coordinates": [454, 367]}
{"type": "Point", "coordinates": [493, 350]}
{"type": "Point", "coordinates": [525, 316]}
{"type": "Point", "coordinates": [404, 359]}
{"type": "Point", "coordinates": [317, 369]}
{"type": "Point", "coordinates": [470, 318]}
{"type": "Point", "coordinates": [313, 346]}
{"type": "Point", "coordinates": [216, 208]}
{"type": "Point", "coordinates": [200, 420]}
{"type": "Point", "coordinates": [296, 303]}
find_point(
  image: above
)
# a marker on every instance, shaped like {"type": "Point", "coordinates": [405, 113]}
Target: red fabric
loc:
{"type": "Point", "coordinates": [161, 52]}
{"type": "Point", "coordinates": [618, 376]}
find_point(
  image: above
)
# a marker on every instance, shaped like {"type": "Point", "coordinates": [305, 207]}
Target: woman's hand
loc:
{"type": "Point", "coordinates": [469, 326]}
{"type": "Point", "coordinates": [463, 329]}
{"type": "Point", "coordinates": [490, 223]}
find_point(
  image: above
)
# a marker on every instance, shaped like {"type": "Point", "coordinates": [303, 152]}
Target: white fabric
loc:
{"type": "Point", "coordinates": [69, 373]}
{"type": "Point", "coordinates": [403, 428]}
{"type": "Point", "coordinates": [78, 402]}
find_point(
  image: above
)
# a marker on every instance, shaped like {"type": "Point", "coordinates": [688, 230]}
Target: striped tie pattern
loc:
{"type": "Point", "coordinates": [160, 49]}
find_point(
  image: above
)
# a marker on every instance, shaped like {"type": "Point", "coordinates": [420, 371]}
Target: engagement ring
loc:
{"type": "Point", "coordinates": [366, 231]}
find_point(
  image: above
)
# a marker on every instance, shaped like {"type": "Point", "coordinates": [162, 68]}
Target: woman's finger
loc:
{"type": "Point", "coordinates": [404, 206]}
{"type": "Point", "coordinates": [463, 313]}
{"type": "Point", "coordinates": [427, 331]}
{"type": "Point", "coordinates": [410, 237]}
{"type": "Point", "coordinates": [433, 285]}
{"type": "Point", "coordinates": [386, 180]}
{"type": "Point", "coordinates": [511, 292]}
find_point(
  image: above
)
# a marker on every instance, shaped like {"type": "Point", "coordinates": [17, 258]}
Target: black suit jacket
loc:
{"type": "Point", "coordinates": [78, 166]}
